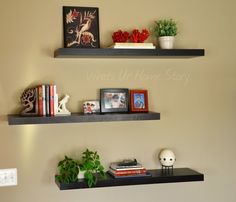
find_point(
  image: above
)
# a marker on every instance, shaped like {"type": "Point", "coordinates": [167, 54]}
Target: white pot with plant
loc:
{"type": "Point", "coordinates": [165, 30]}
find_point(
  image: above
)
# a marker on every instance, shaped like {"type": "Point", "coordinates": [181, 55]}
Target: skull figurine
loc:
{"type": "Point", "coordinates": [167, 158]}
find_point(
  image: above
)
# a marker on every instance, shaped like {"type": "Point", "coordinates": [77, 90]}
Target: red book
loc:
{"type": "Point", "coordinates": [128, 172]}
{"type": "Point", "coordinates": [40, 100]}
{"type": "Point", "coordinates": [51, 100]}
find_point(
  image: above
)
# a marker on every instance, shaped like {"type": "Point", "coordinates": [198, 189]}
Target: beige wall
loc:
{"type": "Point", "coordinates": [196, 98]}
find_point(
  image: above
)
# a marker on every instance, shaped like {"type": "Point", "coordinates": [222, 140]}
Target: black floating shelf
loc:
{"type": "Point", "coordinates": [81, 118]}
{"type": "Point", "coordinates": [126, 53]}
{"type": "Point", "coordinates": [178, 175]}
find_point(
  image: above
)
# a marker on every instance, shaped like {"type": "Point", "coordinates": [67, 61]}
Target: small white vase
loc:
{"type": "Point", "coordinates": [81, 174]}
{"type": "Point", "coordinates": [166, 42]}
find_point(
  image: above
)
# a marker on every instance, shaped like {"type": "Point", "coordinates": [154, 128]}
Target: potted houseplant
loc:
{"type": "Point", "coordinates": [91, 166]}
{"type": "Point", "coordinates": [165, 30]}
{"type": "Point", "coordinates": [68, 170]}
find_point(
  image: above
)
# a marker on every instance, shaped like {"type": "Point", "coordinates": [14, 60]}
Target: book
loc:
{"type": "Point", "coordinates": [44, 100]}
{"type": "Point", "coordinates": [47, 95]}
{"type": "Point", "coordinates": [128, 172]}
{"type": "Point", "coordinates": [147, 174]}
{"type": "Point", "coordinates": [51, 99]}
{"type": "Point", "coordinates": [133, 46]}
{"type": "Point", "coordinates": [116, 166]}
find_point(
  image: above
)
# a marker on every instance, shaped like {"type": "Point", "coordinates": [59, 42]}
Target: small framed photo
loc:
{"type": "Point", "coordinates": [91, 107]}
{"type": "Point", "coordinates": [138, 100]}
{"type": "Point", "coordinates": [81, 27]}
{"type": "Point", "coordinates": [114, 100]}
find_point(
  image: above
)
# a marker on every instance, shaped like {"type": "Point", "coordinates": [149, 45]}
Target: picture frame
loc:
{"type": "Point", "coordinates": [81, 27]}
{"type": "Point", "coordinates": [138, 100]}
{"type": "Point", "coordinates": [114, 100]}
{"type": "Point", "coordinates": [91, 107]}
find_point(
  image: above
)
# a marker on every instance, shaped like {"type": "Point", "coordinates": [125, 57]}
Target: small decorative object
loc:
{"type": "Point", "coordinates": [68, 170]}
{"type": "Point", "coordinates": [91, 107]}
{"type": "Point", "coordinates": [139, 37]}
{"type": "Point", "coordinates": [114, 100]}
{"type": "Point", "coordinates": [29, 102]}
{"type": "Point", "coordinates": [165, 30]}
{"type": "Point", "coordinates": [92, 167]}
{"type": "Point", "coordinates": [81, 27]}
{"type": "Point", "coordinates": [120, 36]}
{"type": "Point", "coordinates": [139, 100]}
{"type": "Point", "coordinates": [62, 110]}
{"type": "Point", "coordinates": [167, 158]}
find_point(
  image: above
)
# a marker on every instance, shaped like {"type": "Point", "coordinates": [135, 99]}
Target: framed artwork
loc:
{"type": "Point", "coordinates": [81, 27]}
{"type": "Point", "coordinates": [91, 107]}
{"type": "Point", "coordinates": [138, 100]}
{"type": "Point", "coordinates": [114, 100]}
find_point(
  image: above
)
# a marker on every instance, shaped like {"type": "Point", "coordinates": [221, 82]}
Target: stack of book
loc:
{"type": "Point", "coordinates": [47, 105]}
{"type": "Point", "coordinates": [120, 170]}
{"type": "Point", "coordinates": [133, 46]}
{"type": "Point", "coordinates": [46, 100]}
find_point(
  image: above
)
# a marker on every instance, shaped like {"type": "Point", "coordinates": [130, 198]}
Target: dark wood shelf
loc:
{"type": "Point", "coordinates": [126, 53]}
{"type": "Point", "coordinates": [81, 118]}
{"type": "Point", "coordinates": [178, 175]}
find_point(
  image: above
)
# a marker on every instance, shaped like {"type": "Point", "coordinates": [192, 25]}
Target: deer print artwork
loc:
{"type": "Point", "coordinates": [81, 27]}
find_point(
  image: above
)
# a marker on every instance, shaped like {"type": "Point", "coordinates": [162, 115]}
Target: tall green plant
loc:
{"type": "Point", "coordinates": [92, 166]}
{"type": "Point", "coordinates": [165, 28]}
{"type": "Point", "coordinates": [68, 170]}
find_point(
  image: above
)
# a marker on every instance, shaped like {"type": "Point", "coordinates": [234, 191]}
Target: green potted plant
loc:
{"type": "Point", "coordinates": [165, 30]}
{"type": "Point", "coordinates": [91, 166]}
{"type": "Point", "coordinates": [68, 170]}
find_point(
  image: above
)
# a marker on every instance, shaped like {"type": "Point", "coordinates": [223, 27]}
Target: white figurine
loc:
{"type": "Point", "coordinates": [167, 158]}
{"type": "Point", "coordinates": [61, 110]}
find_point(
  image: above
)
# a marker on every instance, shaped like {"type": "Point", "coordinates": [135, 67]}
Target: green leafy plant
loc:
{"type": "Point", "coordinates": [92, 166]}
{"type": "Point", "coordinates": [68, 170]}
{"type": "Point", "coordinates": [165, 28]}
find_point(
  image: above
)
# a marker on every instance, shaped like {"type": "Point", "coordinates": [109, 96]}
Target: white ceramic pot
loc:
{"type": "Point", "coordinates": [166, 42]}
{"type": "Point", "coordinates": [81, 174]}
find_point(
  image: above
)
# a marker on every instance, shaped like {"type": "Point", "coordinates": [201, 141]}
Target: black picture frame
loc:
{"type": "Point", "coordinates": [81, 27]}
{"type": "Point", "coordinates": [114, 100]}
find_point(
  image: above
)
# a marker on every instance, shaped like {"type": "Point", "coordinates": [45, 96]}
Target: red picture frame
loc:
{"type": "Point", "coordinates": [138, 100]}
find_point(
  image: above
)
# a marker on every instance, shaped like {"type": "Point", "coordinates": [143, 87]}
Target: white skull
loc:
{"type": "Point", "coordinates": [167, 157]}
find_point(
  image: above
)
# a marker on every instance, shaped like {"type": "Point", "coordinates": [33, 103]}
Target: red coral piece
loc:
{"type": "Point", "coordinates": [120, 36]}
{"type": "Point", "coordinates": [138, 37]}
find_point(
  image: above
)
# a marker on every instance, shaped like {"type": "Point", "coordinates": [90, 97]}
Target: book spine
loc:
{"type": "Point", "coordinates": [129, 172]}
{"type": "Point", "coordinates": [36, 101]}
{"type": "Point", "coordinates": [40, 100]}
{"type": "Point", "coordinates": [130, 176]}
{"type": "Point", "coordinates": [126, 168]}
{"type": "Point", "coordinates": [47, 90]}
{"type": "Point", "coordinates": [55, 100]}
{"type": "Point", "coordinates": [115, 166]}
{"type": "Point", "coordinates": [44, 100]}
{"type": "Point", "coordinates": [52, 113]}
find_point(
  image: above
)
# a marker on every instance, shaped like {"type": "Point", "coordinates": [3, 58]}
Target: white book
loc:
{"type": "Point", "coordinates": [44, 100]}
{"type": "Point", "coordinates": [133, 46]}
{"type": "Point", "coordinates": [55, 99]}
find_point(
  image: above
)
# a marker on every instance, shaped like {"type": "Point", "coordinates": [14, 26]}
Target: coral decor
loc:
{"type": "Point", "coordinates": [136, 36]}
{"type": "Point", "coordinates": [120, 36]}
{"type": "Point", "coordinates": [139, 37]}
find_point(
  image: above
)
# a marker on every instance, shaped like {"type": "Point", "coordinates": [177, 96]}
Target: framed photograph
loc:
{"type": "Point", "coordinates": [91, 107]}
{"type": "Point", "coordinates": [114, 100]}
{"type": "Point", "coordinates": [138, 100]}
{"type": "Point", "coordinates": [81, 27]}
